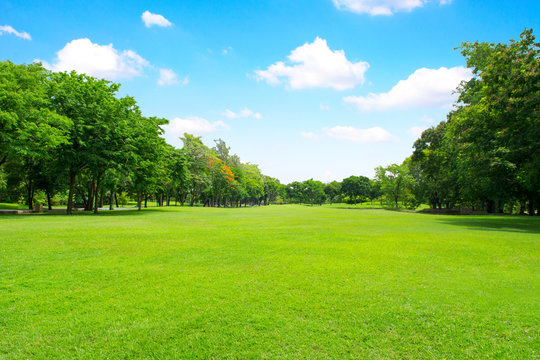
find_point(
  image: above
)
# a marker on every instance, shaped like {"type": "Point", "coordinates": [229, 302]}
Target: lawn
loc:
{"type": "Point", "coordinates": [10, 206]}
{"type": "Point", "coordinates": [270, 282]}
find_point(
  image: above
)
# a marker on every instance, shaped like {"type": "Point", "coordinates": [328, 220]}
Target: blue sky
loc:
{"type": "Point", "coordinates": [319, 89]}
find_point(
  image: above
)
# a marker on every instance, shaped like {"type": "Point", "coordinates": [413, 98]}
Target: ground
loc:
{"type": "Point", "coordinates": [269, 282]}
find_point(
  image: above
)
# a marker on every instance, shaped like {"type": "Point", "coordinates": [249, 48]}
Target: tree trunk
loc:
{"type": "Point", "coordinates": [101, 196]}
{"type": "Point", "coordinates": [145, 201]}
{"type": "Point", "coordinates": [139, 202]}
{"type": "Point", "coordinates": [116, 199]}
{"type": "Point", "coordinates": [30, 198]}
{"type": "Point", "coordinates": [72, 178]}
{"type": "Point", "coordinates": [111, 200]}
{"type": "Point", "coordinates": [96, 190]}
{"type": "Point", "coordinates": [49, 204]}
{"type": "Point", "coordinates": [91, 194]}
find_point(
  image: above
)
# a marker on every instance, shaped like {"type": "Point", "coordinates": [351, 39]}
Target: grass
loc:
{"type": "Point", "coordinates": [10, 206]}
{"type": "Point", "coordinates": [271, 282]}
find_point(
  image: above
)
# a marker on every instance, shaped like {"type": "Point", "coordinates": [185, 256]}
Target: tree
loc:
{"type": "Point", "coordinates": [332, 190]}
{"type": "Point", "coordinates": [29, 130]}
{"type": "Point", "coordinates": [147, 166]}
{"type": "Point", "coordinates": [271, 189]}
{"type": "Point", "coordinates": [199, 178]}
{"type": "Point", "coordinates": [394, 180]}
{"type": "Point", "coordinates": [433, 166]}
{"type": "Point", "coordinates": [314, 191]}
{"type": "Point", "coordinates": [88, 103]}
{"type": "Point", "coordinates": [355, 187]}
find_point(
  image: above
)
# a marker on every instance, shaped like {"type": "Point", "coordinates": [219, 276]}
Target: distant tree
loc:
{"type": "Point", "coordinates": [271, 189]}
{"type": "Point", "coordinates": [355, 187]}
{"type": "Point", "coordinates": [394, 180]}
{"type": "Point", "coordinates": [331, 190]}
{"type": "Point", "coordinates": [374, 190]}
{"type": "Point", "coordinates": [314, 191]}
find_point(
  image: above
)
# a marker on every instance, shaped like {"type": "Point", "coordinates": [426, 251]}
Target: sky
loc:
{"type": "Point", "coordinates": [320, 89]}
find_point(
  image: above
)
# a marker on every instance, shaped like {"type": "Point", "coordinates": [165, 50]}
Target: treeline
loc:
{"type": "Point", "coordinates": [68, 137]}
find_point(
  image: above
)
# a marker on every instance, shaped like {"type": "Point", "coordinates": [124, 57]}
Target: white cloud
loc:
{"type": "Point", "coordinates": [244, 113]}
{"type": "Point", "coordinates": [315, 65]}
{"type": "Point", "coordinates": [381, 7]}
{"type": "Point", "coordinates": [10, 30]}
{"type": "Point", "coordinates": [150, 19]}
{"type": "Point", "coordinates": [423, 88]}
{"type": "Point", "coordinates": [372, 135]}
{"type": "Point", "coordinates": [325, 107]}
{"type": "Point", "coordinates": [416, 131]}
{"type": "Point", "coordinates": [193, 125]}
{"type": "Point", "coordinates": [309, 135]}
{"type": "Point", "coordinates": [102, 61]}
{"type": "Point", "coordinates": [167, 77]}
{"type": "Point", "coordinates": [227, 50]}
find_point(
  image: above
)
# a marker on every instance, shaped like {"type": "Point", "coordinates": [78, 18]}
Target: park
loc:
{"type": "Point", "coordinates": [382, 200]}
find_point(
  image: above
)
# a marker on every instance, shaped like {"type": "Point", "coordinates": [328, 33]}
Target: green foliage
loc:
{"type": "Point", "coordinates": [395, 180]}
{"type": "Point", "coordinates": [486, 154]}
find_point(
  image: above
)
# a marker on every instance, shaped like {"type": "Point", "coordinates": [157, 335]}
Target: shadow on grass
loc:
{"type": "Point", "coordinates": [130, 212]}
{"type": "Point", "coordinates": [521, 224]}
{"type": "Point", "coordinates": [356, 208]}
{"type": "Point", "coordinates": [91, 213]}
{"type": "Point", "coordinates": [400, 210]}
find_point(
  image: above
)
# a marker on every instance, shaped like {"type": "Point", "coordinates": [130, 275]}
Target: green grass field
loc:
{"type": "Point", "coordinates": [272, 282]}
{"type": "Point", "coordinates": [9, 206]}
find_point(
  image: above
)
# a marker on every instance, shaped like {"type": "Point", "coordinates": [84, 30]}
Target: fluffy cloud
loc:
{"type": "Point", "coordinates": [193, 125]}
{"type": "Point", "coordinates": [227, 50]}
{"type": "Point", "coordinates": [315, 65]}
{"type": "Point", "coordinates": [10, 30]}
{"type": "Point", "coordinates": [150, 19]}
{"type": "Point", "coordinates": [381, 7]}
{"type": "Point", "coordinates": [348, 133]}
{"type": "Point", "coordinates": [423, 88]}
{"type": "Point", "coordinates": [244, 113]}
{"type": "Point", "coordinates": [102, 61]}
{"type": "Point", "coordinates": [169, 77]}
